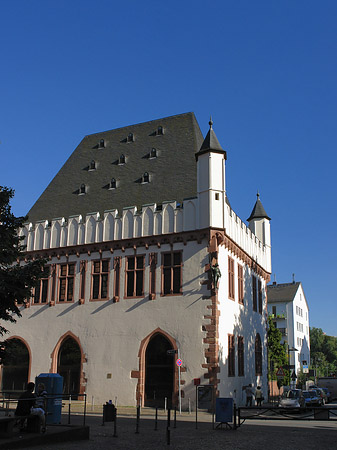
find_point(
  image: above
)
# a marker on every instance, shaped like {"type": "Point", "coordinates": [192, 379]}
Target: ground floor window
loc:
{"type": "Point", "coordinates": [15, 366]}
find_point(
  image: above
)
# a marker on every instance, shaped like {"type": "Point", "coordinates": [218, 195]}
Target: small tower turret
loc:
{"type": "Point", "coordinates": [211, 160]}
{"type": "Point", "coordinates": [259, 222]}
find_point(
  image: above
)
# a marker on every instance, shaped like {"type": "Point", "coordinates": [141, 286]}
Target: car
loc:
{"type": "Point", "coordinates": [292, 399]}
{"type": "Point", "coordinates": [328, 395]}
{"type": "Point", "coordinates": [322, 394]}
{"type": "Point", "coordinates": [315, 398]}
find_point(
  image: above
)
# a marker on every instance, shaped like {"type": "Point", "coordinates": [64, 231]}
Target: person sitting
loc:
{"type": "Point", "coordinates": [26, 406]}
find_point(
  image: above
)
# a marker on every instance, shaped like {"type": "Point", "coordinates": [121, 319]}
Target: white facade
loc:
{"type": "Point", "coordinates": [220, 331]}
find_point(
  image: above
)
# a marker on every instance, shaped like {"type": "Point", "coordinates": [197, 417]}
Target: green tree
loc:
{"type": "Point", "coordinates": [16, 278]}
{"type": "Point", "coordinates": [277, 354]}
{"type": "Point", "coordinates": [323, 352]}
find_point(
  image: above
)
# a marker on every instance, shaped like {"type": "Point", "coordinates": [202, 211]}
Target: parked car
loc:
{"type": "Point", "coordinates": [328, 395]}
{"type": "Point", "coordinates": [292, 399]}
{"type": "Point", "coordinates": [312, 398]}
{"type": "Point", "coordinates": [322, 394]}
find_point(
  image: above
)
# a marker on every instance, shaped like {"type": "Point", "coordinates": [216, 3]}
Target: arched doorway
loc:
{"type": "Point", "coordinates": [15, 369]}
{"type": "Point", "coordinates": [69, 366]}
{"type": "Point", "coordinates": [159, 372]}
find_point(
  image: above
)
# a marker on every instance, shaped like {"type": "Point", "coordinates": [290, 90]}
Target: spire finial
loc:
{"type": "Point", "coordinates": [210, 123]}
{"type": "Point", "coordinates": [258, 194]}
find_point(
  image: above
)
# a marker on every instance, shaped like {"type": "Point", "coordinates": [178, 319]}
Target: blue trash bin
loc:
{"type": "Point", "coordinates": [54, 386]}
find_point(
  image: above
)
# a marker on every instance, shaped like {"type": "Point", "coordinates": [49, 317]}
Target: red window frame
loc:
{"type": "Point", "coordinates": [240, 285]}
{"type": "Point", "coordinates": [134, 276]}
{"type": "Point", "coordinates": [117, 274]}
{"type": "Point", "coordinates": [241, 357]}
{"type": "Point", "coordinates": [66, 277]}
{"type": "Point", "coordinates": [254, 293]}
{"type": "Point", "coordinates": [41, 292]}
{"type": "Point", "coordinates": [152, 280]}
{"type": "Point", "coordinates": [231, 286]}
{"type": "Point", "coordinates": [260, 295]}
{"type": "Point", "coordinates": [231, 356]}
{"type": "Point", "coordinates": [171, 273]}
{"type": "Point", "coordinates": [100, 271]}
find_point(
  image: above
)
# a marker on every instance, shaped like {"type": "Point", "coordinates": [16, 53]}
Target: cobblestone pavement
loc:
{"type": "Point", "coordinates": [254, 434]}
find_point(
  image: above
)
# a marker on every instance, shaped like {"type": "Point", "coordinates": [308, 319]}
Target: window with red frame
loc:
{"type": "Point", "coordinates": [241, 359]}
{"type": "Point", "coordinates": [231, 290]}
{"type": "Point", "coordinates": [66, 282]}
{"type": "Point", "coordinates": [254, 293]}
{"type": "Point", "coordinates": [258, 355]}
{"type": "Point", "coordinates": [100, 279]}
{"type": "Point", "coordinates": [240, 285]}
{"type": "Point", "coordinates": [231, 356]}
{"type": "Point", "coordinates": [260, 295]}
{"type": "Point", "coordinates": [40, 293]}
{"type": "Point", "coordinates": [171, 273]}
{"type": "Point", "coordinates": [135, 276]}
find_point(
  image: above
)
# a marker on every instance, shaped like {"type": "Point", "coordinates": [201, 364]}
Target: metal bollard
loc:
{"type": "Point", "coordinates": [156, 421]}
{"type": "Point", "coordinates": [115, 424]}
{"type": "Point", "coordinates": [234, 412]}
{"type": "Point", "coordinates": [175, 417]}
{"type": "Point", "coordinates": [69, 409]}
{"type": "Point", "coordinates": [168, 431]}
{"type": "Point", "coordinates": [137, 421]}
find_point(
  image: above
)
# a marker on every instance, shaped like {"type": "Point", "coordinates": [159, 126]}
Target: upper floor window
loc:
{"type": "Point", "coordinates": [66, 282]}
{"type": "Point", "coordinates": [146, 177]}
{"type": "Point", "coordinates": [82, 189]}
{"type": "Point", "coordinates": [241, 359]}
{"type": "Point", "coordinates": [153, 153]}
{"type": "Point", "coordinates": [135, 276]}
{"type": "Point", "coordinates": [172, 273]}
{"type": "Point", "coordinates": [240, 284]}
{"type": "Point", "coordinates": [254, 286]}
{"type": "Point", "coordinates": [231, 356]}
{"type": "Point", "coordinates": [101, 143]}
{"type": "Point", "coordinates": [130, 137]}
{"type": "Point", "coordinates": [121, 159]}
{"type": "Point", "coordinates": [160, 130]}
{"type": "Point", "coordinates": [40, 293]}
{"type": "Point", "coordinates": [260, 295]}
{"type": "Point", "coordinates": [231, 278]}
{"type": "Point", "coordinates": [113, 184]}
{"type": "Point", "coordinates": [92, 165]}
{"type": "Point", "coordinates": [100, 278]}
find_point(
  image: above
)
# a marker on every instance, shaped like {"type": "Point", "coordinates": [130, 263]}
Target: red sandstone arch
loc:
{"type": "Point", "coordinates": [19, 338]}
{"type": "Point", "coordinates": [54, 358]}
{"type": "Point", "coordinates": [140, 374]}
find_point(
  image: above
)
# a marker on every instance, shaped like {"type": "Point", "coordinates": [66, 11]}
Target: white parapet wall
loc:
{"type": "Point", "coordinates": [151, 220]}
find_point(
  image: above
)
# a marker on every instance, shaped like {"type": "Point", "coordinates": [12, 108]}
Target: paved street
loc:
{"type": "Point", "coordinates": [254, 434]}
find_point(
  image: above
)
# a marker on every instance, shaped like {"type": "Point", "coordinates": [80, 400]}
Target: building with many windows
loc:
{"type": "Point", "coordinates": [289, 310]}
{"type": "Point", "coordinates": [145, 255]}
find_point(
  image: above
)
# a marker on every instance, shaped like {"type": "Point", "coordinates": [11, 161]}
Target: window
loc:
{"type": "Point", "coordinates": [258, 355]}
{"type": "Point", "coordinates": [171, 273]}
{"type": "Point", "coordinates": [66, 282]}
{"type": "Point", "coordinates": [101, 143]}
{"type": "Point", "coordinates": [146, 178]}
{"type": "Point", "coordinates": [121, 159]}
{"type": "Point", "coordinates": [160, 131]}
{"type": "Point", "coordinates": [113, 184]}
{"type": "Point", "coordinates": [230, 278]}
{"type": "Point", "coordinates": [152, 284]}
{"type": "Point", "coordinates": [100, 278]}
{"type": "Point", "coordinates": [117, 269]}
{"type": "Point", "coordinates": [82, 189]}
{"type": "Point", "coordinates": [217, 197]}
{"type": "Point", "coordinates": [241, 360]}
{"type": "Point", "coordinates": [40, 294]}
{"type": "Point", "coordinates": [153, 153]}
{"type": "Point", "coordinates": [83, 268]}
{"type": "Point", "coordinates": [130, 137]}
{"type": "Point", "coordinates": [274, 311]}
{"type": "Point", "coordinates": [254, 293]}
{"type": "Point", "coordinates": [240, 284]}
{"type": "Point", "coordinates": [92, 165]}
{"type": "Point", "coordinates": [231, 356]}
{"type": "Point", "coordinates": [135, 276]}
{"type": "Point", "coordinates": [260, 296]}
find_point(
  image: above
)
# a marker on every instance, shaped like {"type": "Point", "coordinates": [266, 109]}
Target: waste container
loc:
{"type": "Point", "coordinates": [109, 412]}
{"type": "Point", "coordinates": [54, 386]}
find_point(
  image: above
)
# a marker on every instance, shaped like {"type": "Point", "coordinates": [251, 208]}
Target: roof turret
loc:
{"type": "Point", "coordinates": [211, 143]}
{"type": "Point", "coordinates": [258, 211]}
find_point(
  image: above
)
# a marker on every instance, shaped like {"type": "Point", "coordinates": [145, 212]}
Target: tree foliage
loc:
{"type": "Point", "coordinates": [277, 354]}
{"type": "Point", "coordinates": [323, 352]}
{"type": "Point", "coordinates": [16, 278]}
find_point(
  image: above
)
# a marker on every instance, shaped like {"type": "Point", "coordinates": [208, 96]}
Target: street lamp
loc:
{"type": "Point", "coordinates": [291, 349]}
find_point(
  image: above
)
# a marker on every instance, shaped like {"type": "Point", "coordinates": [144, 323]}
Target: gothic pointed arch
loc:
{"type": "Point", "coordinates": [16, 368]}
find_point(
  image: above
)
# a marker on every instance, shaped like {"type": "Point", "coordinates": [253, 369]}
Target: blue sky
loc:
{"type": "Point", "coordinates": [265, 70]}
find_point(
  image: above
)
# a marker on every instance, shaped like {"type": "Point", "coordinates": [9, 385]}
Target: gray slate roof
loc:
{"type": "Point", "coordinates": [173, 173]}
{"type": "Point", "coordinates": [258, 211]}
{"type": "Point", "coordinates": [280, 293]}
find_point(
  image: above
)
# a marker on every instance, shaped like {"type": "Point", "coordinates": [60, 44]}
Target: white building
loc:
{"type": "Point", "coordinates": [126, 283]}
{"type": "Point", "coordinates": [289, 310]}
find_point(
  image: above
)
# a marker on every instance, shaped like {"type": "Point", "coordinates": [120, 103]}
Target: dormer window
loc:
{"type": "Point", "coordinates": [146, 177]}
{"type": "Point", "coordinates": [130, 137]}
{"type": "Point", "coordinates": [101, 143]}
{"type": "Point", "coordinates": [113, 184]}
{"type": "Point", "coordinates": [121, 159]}
{"type": "Point", "coordinates": [92, 165]}
{"type": "Point", "coordinates": [160, 131]}
{"type": "Point", "coordinates": [82, 189]}
{"type": "Point", "coordinates": [153, 153]}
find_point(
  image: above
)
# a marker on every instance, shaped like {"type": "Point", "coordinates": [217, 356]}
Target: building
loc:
{"type": "Point", "coordinates": [137, 229]}
{"type": "Point", "coordinates": [289, 310]}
